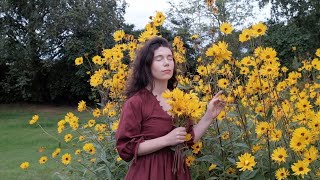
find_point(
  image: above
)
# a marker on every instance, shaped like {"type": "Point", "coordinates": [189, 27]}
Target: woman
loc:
{"type": "Point", "coordinates": [146, 131]}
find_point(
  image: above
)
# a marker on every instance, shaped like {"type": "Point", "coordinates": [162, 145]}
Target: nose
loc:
{"type": "Point", "coordinates": [166, 62]}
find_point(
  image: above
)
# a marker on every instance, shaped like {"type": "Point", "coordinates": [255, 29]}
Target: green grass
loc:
{"type": "Point", "coordinates": [20, 141]}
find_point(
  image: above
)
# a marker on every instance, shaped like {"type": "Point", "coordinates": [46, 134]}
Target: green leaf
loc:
{"type": "Point", "coordinates": [233, 161]}
{"type": "Point", "coordinates": [258, 176]}
{"type": "Point", "coordinates": [248, 174]}
{"type": "Point", "coordinates": [241, 145]}
{"type": "Point", "coordinates": [208, 158]}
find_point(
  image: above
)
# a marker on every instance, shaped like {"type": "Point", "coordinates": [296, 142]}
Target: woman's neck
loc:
{"type": "Point", "coordinates": [159, 87]}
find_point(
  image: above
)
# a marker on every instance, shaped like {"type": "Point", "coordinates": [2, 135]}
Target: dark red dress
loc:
{"type": "Point", "coordinates": [143, 118]}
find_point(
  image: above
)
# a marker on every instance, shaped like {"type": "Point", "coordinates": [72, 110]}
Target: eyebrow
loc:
{"type": "Point", "coordinates": [162, 55]}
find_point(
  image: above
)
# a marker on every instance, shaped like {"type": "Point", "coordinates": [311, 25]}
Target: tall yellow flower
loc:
{"type": "Point", "coordinates": [96, 79]}
{"type": "Point", "coordinates": [159, 18]}
{"type": "Point", "coordinates": [91, 122]}
{"type": "Point", "coordinates": [245, 35]}
{"type": "Point", "coordinates": [43, 159]}
{"type": "Point", "coordinates": [225, 135]}
{"type": "Point", "coordinates": [115, 125]}
{"type": "Point", "coordinates": [262, 128]}
{"type": "Point", "coordinates": [132, 46]}
{"type": "Point", "coordinates": [246, 162]}
{"type": "Point", "coordinates": [219, 51]}
{"type": "Point", "coordinates": [118, 35]}
{"type": "Point", "coordinates": [259, 29]}
{"type": "Point", "coordinates": [202, 70]}
{"type": "Point", "coordinates": [311, 154]}
{"type": "Point", "coordinates": [303, 105]}
{"type": "Point", "coordinates": [78, 61]}
{"type": "Point", "coordinates": [82, 106]}
{"type": "Point", "coordinates": [257, 51]}
{"type": "Point", "coordinates": [276, 135]}
{"type": "Point", "coordinates": [223, 83]}
{"type": "Point", "coordinates": [318, 52]}
{"type": "Point", "coordinates": [256, 148]}
{"type": "Point", "coordinates": [197, 147]}
{"type": "Point", "coordinates": [77, 152]}
{"type": "Point", "coordinates": [34, 119]}
{"type": "Point", "coordinates": [81, 138]}
{"type": "Point", "coordinates": [66, 159]}
{"type": "Point", "coordinates": [212, 167]}
{"type": "Point", "coordinates": [97, 60]}
{"type": "Point", "coordinates": [316, 63]}
{"type": "Point", "coordinates": [282, 173]}
{"type": "Point", "coordinates": [189, 160]}
{"type": "Point", "coordinates": [226, 28]}
{"type": "Point", "coordinates": [268, 54]}
{"type": "Point", "coordinates": [303, 133]}
{"type": "Point", "coordinates": [298, 144]}
{"type": "Point", "coordinates": [56, 153]}
{"type": "Point", "coordinates": [24, 165]}
{"type": "Point", "coordinates": [279, 155]}
{"type": "Point", "coordinates": [300, 168]}
{"type": "Point", "coordinates": [67, 137]}
{"type": "Point", "coordinates": [89, 147]}
{"type": "Point", "coordinates": [96, 113]}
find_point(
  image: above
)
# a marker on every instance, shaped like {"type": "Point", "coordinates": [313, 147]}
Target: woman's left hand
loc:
{"type": "Point", "coordinates": [216, 105]}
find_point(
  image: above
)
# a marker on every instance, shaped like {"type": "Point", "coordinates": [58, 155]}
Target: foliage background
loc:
{"type": "Point", "coordinates": [39, 49]}
{"type": "Point", "coordinates": [40, 39]}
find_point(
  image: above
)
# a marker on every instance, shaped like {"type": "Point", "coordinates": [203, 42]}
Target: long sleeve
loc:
{"type": "Point", "coordinates": [189, 130]}
{"type": "Point", "coordinates": [129, 135]}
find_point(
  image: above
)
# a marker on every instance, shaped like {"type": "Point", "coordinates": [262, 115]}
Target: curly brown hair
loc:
{"type": "Point", "coordinates": [141, 75]}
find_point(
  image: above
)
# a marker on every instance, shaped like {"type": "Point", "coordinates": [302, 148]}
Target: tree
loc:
{"type": "Point", "coordinates": [36, 34]}
{"type": "Point", "coordinates": [204, 18]}
{"type": "Point", "coordinates": [294, 24]}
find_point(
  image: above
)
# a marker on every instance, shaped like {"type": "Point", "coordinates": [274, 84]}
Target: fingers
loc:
{"type": "Point", "coordinates": [181, 129]}
{"type": "Point", "coordinates": [218, 94]}
{"type": "Point", "coordinates": [181, 134]}
{"type": "Point", "coordinates": [181, 139]}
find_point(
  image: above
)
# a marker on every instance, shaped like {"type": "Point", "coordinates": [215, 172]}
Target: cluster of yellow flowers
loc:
{"type": "Point", "coordinates": [255, 31]}
{"type": "Point", "coordinates": [271, 113]}
{"type": "Point", "coordinates": [179, 50]}
{"type": "Point", "coordinates": [184, 105]}
{"type": "Point", "coordinates": [281, 107]}
{"type": "Point", "coordinates": [151, 28]}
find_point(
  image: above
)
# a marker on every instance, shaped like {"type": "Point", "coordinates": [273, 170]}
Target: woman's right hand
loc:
{"type": "Point", "coordinates": [176, 136]}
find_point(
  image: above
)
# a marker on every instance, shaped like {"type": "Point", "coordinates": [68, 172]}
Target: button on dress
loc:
{"type": "Point", "coordinates": [142, 118]}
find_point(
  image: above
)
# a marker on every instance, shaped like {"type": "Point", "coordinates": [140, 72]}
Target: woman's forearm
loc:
{"type": "Point", "coordinates": [174, 137]}
{"type": "Point", "coordinates": [202, 126]}
{"type": "Point", "coordinates": [152, 145]}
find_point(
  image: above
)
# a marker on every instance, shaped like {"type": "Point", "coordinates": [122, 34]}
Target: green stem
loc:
{"type": "Point", "coordinates": [244, 124]}
{"type": "Point", "coordinates": [269, 156]}
{"type": "Point", "coordinates": [48, 133]}
{"type": "Point", "coordinates": [220, 142]}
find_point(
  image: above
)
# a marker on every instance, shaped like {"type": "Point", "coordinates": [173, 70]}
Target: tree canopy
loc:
{"type": "Point", "coordinates": [40, 39]}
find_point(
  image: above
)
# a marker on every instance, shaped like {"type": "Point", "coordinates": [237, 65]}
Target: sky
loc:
{"type": "Point", "coordinates": [139, 11]}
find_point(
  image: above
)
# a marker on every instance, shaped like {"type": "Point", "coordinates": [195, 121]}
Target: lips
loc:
{"type": "Point", "coordinates": [167, 71]}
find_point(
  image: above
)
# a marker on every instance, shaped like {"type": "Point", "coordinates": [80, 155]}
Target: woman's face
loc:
{"type": "Point", "coordinates": [162, 65]}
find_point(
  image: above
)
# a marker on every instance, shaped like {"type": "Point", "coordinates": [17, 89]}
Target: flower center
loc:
{"type": "Point", "coordinates": [246, 163]}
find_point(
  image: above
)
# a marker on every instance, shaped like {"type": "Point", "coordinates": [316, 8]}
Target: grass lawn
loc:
{"type": "Point", "coordinates": [20, 141]}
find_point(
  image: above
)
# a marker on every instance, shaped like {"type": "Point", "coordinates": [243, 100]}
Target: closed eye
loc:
{"type": "Point", "coordinates": [158, 58]}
